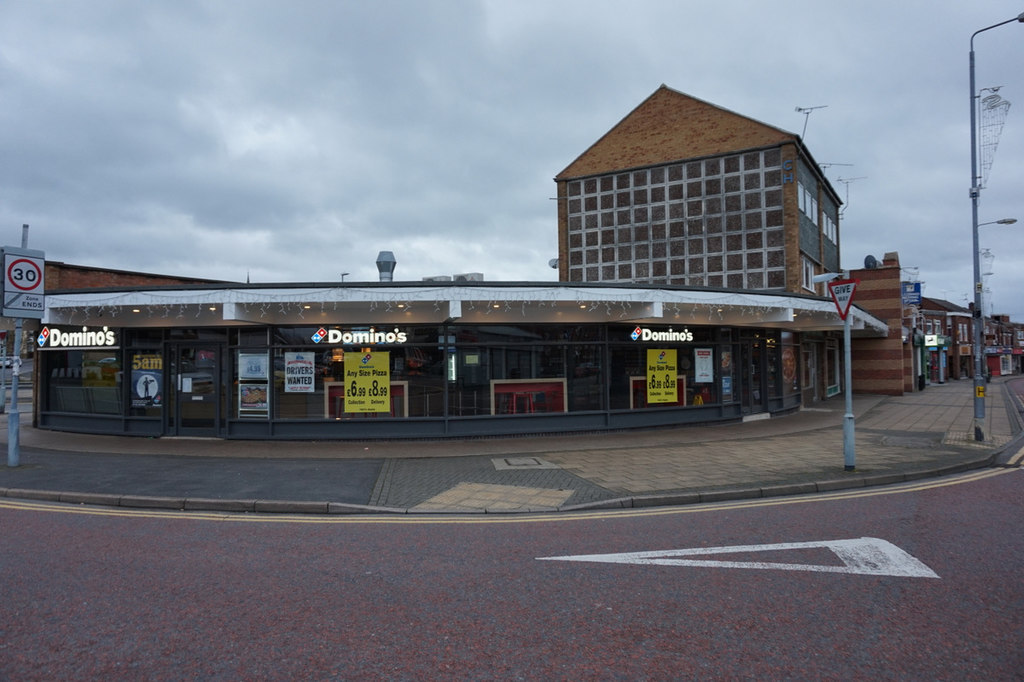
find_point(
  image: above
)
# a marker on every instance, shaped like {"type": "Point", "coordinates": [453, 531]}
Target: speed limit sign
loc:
{"type": "Point", "coordinates": [23, 284]}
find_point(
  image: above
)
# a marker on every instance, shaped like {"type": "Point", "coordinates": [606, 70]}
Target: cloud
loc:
{"type": "Point", "coordinates": [293, 141]}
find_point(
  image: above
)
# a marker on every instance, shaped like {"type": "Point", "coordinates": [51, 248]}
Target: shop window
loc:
{"type": "Point", "coordinates": [700, 372]}
{"type": "Point", "coordinates": [508, 380]}
{"type": "Point", "coordinates": [832, 367]}
{"type": "Point", "coordinates": [774, 368]}
{"type": "Point", "coordinates": [81, 381]}
{"type": "Point", "coordinates": [790, 364]}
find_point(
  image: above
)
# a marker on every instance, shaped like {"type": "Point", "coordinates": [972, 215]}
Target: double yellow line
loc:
{"type": "Point", "coordinates": [559, 517]}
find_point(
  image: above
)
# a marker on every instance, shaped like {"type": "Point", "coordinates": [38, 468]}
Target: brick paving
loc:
{"type": "Point", "coordinates": [897, 438]}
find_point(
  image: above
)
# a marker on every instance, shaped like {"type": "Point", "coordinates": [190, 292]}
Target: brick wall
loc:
{"type": "Point", "coordinates": [881, 366]}
{"type": "Point", "coordinates": [61, 276]}
{"type": "Point", "coordinates": [671, 126]}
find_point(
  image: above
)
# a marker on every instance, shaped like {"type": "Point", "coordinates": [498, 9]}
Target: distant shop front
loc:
{"type": "Point", "coordinates": [417, 362]}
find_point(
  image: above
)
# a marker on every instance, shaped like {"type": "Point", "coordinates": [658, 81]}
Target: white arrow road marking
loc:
{"type": "Point", "coordinates": [863, 556]}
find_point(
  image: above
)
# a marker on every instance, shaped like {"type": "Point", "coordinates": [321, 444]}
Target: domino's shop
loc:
{"type": "Point", "coordinates": [367, 361]}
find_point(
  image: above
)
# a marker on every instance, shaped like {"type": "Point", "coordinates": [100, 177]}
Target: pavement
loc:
{"type": "Point", "coordinates": [918, 435]}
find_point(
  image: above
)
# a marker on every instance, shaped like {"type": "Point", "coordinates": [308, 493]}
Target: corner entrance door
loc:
{"type": "Point", "coordinates": [752, 384]}
{"type": "Point", "coordinates": [195, 407]}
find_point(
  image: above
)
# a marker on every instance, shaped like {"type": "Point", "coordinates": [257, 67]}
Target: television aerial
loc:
{"type": "Point", "coordinates": [806, 111]}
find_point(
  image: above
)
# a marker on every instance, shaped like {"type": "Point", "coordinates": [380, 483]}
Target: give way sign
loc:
{"type": "Point", "coordinates": [842, 293]}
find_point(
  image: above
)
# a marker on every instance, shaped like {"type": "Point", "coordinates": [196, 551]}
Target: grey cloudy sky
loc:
{"type": "Point", "coordinates": [292, 141]}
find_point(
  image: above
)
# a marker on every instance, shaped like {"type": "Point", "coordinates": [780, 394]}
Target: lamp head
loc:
{"type": "Point", "coordinates": [1008, 221]}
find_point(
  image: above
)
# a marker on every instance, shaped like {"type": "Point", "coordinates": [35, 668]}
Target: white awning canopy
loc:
{"type": "Point", "coordinates": [434, 303]}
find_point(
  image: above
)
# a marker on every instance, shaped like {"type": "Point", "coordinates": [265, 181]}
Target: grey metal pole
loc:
{"type": "Point", "coordinates": [13, 416]}
{"type": "Point", "coordinates": [849, 453]}
{"type": "Point", "coordinates": [978, 318]}
{"type": "Point", "coordinates": [3, 374]}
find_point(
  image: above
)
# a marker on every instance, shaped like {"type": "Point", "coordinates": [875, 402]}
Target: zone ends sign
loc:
{"type": "Point", "coordinates": [23, 284]}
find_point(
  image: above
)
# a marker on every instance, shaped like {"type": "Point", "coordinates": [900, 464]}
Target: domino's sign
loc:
{"type": "Point", "coordinates": [645, 334]}
{"type": "Point", "coordinates": [366, 337]}
{"type": "Point", "coordinates": [51, 337]}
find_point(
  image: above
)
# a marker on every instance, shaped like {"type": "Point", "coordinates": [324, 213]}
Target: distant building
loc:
{"type": "Point", "coordinates": [947, 340]}
{"type": "Point", "coordinates": [683, 192]}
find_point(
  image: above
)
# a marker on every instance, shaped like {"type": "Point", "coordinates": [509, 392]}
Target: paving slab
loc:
{"type": "Point", "coordinates": [925, 433]}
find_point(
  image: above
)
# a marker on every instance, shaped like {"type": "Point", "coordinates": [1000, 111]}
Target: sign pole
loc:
{"type": "Point", "coordinates": [3, 375]}
{"type": "Point", "coordinates": [14, 416]}
{"type": "Point", "coordinates": [842, 293]}
{"type": "Point", "coordinates": [23, 296]}
{"type": "Point", "coordinates": [849, 453]}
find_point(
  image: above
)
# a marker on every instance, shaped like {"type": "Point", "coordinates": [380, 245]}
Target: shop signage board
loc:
{"type": "Point", "coordinates": [703, 366]}
{"type": "Point", "coordinates": [842, 294]}
{"type": "Point", "coordinates": [911, 293]}
{"type": "Point", "coordinates": [661, 376]}
{"type": "Point", "coordinates": [147, 377]}
{"type": "Point", "coordinates": [23, 283]}
{"type": "Point", "coordinates": [299, 373]}
{"type": "Point", "coordinates": [368, 382]}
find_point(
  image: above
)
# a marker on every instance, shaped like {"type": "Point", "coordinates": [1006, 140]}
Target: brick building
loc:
{"type": "Point", "coordinates": [64, 276]}
{"type": "Point", "coordinates": [883, 365]}
{"type": "Point", "coordinates": [948, 343]}
{"type": "Point", "coordinates": [683, 192]}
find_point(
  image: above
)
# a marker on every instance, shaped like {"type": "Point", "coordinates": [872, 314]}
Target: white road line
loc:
{"type": "Point", "coordinates": [861, 556]}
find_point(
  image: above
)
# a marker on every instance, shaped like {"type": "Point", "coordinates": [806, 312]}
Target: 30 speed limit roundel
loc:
{"type": "Point", "coordinates": [24, 274]}
{"type": "Point", "coordinates": [23, 283]}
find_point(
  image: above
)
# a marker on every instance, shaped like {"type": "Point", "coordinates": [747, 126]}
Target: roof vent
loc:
{"type": "Point", "coordinates": [386, 265]}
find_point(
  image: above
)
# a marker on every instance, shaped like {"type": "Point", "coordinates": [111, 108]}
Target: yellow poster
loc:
{"type": "Point", "coordinates": [368, 382]}
{"type": "Point", "coordinates": [661, 376]}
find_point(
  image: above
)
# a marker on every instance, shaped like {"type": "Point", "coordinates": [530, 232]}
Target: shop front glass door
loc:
{"type": "Point", "coordinates": [195, 379]}
{"type": "Point", "coordinates": [752, 378]}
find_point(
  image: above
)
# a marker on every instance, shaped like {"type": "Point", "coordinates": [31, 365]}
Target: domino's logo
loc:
{"type": "Point", "coordinates": [320, 335]}
{"type": "Point", "coordinates": [636, 333]}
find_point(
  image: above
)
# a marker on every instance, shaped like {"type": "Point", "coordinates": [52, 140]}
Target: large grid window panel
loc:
{"type": "Point", "coordinates": [716, 222]}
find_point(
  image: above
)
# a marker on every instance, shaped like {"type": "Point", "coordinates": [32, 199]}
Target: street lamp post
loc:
{"type": "Point", "coordinates": [978, 317]}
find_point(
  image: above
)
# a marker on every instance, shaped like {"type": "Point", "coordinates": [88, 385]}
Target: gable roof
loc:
{"type": "Point", "coordinates": [942, 304]}
{"type": "Point", "coordinates": [671, 126]}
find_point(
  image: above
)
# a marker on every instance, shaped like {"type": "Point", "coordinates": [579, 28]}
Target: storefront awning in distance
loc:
{"type": "Point", "coordinates": [435, 303]}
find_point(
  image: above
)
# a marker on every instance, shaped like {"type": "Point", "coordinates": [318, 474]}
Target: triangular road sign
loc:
{"type": "Point", "coordinates": [842, 293]}
{"type": "Point", "coordinates": [862, 556]}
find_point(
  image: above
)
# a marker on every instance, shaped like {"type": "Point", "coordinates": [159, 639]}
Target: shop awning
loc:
{"type": "Point", "coordinates": [475, 303]}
